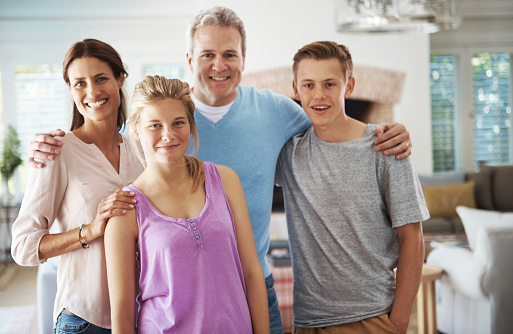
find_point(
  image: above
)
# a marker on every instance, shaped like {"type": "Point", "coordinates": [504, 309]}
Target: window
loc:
{"type": "Point", "coordinates": [41, 103]}
{"type": "Point", "coordinates": [1, 110]}
{"type": "Point", "coordinates": [170, 71]}
{"type": "Point", "coordinates": [471, 110]}
{"type": "Point", "coordinates": [492, 109]}
{"type": "Point", "coordinates": [443, 112]}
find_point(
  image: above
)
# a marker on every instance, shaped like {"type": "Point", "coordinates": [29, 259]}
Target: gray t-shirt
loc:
{"type": "Point", "coordinates": [343, 201]}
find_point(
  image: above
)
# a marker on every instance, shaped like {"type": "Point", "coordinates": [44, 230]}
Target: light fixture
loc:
{"type": "Point", "coordinates": [421, 16]}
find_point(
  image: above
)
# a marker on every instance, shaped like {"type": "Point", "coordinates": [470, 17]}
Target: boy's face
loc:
{"type": "Point", "coordinates": [322, 89]}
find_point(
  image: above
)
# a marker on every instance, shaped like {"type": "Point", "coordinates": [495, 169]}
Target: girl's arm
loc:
{"type": "Point", "coordinates": [256, 292]}
{"type": "Point", "coordinates": [120, 246]}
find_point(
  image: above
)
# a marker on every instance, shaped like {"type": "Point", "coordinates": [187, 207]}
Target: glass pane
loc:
{"type": "Point", "coordinates": [443, 112]}
{"type": "Point", "coordinates": [42, 103]}
{"type": "Point", "coordinates": [492, 108]}
{"type": "Point", "coordinates": [170, 71]}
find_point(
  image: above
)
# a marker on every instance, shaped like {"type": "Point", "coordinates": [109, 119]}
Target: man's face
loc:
{"type": "Point", "coordinates": [217, 63]}
{"type": "Point", "coordinates": [322, 89]}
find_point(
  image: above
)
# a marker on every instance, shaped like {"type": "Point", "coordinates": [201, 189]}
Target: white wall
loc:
{"type": "Point", "coordinates": [154, 31]}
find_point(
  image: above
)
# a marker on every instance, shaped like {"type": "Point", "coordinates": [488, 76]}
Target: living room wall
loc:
{"type": "Point", "coordinates": [153, 31]}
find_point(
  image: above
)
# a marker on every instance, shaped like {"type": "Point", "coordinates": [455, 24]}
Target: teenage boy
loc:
{"type": "Point", "coordinates": [353, 214]}
{"type": "Point", "coordinates": [240, 127]}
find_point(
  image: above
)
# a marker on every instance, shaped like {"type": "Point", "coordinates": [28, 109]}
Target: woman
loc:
{"type": "Point", "coordinates": [73, 191]}
{"type": "Point", "coordinates": [189, 241]}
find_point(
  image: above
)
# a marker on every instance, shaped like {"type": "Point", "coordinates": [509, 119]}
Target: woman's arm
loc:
{"type": "Point", "coordinates": [120, 246]}
{"type": "Point", "coordinates": [256, 292]}
{"type": "Point", "coordinates": [409, 272]}
{"type": "Point", "coordinates": [113, 205]}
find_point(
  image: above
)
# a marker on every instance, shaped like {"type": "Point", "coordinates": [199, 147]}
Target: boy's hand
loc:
{"type": "Point", "coordinates": [400, 324]}
{"type": "Point", "coordinates": [394, 139]}
{"type": "Point", "coordinates": [44, 147]}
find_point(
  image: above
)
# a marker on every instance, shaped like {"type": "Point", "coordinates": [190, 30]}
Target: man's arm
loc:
{"type": "Point", "coordinates": [44, 147]}
{"type": "Point", "coordinates": [393, 138]}
{"type": "Point", "coordinates": [409, 273]}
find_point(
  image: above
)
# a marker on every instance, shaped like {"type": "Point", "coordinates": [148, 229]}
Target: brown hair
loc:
{"type": "Point", "coordinates": [325, 50]}
{"type": "Point", "coordinates": [106, 53]}
{"type": "Point", "coordinates": [156, 88]}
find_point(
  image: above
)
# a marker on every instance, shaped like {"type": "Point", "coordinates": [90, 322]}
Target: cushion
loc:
{"type": "Point", "coordinates": [456, 177]}
{"type": "Point", "coordinates": [442, 199]}
{"type": "Point", "coordinates": [475, 219]}
{"type": "Point", "coordinates": [483, 187]}
{"type": "Point", "coordinates": [502, 188]}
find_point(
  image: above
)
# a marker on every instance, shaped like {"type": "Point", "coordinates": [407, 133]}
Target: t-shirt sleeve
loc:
{"type": "Point", "coordinates": [401, 190]}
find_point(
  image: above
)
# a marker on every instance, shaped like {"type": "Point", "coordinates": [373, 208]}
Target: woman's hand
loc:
{"type": "Point", "coordinates": [115, 204]}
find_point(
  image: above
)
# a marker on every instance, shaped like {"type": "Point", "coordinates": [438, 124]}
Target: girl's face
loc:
{"type": "Point", "coordinates": [164, 131]}
{"type": "Point", "coordinates": [95, 89]}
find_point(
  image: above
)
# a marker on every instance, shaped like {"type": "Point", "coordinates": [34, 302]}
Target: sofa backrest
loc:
{"type": "Point", "coordinates": [493, 188]}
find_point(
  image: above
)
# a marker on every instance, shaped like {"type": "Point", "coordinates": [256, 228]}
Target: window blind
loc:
{"type": "Point", "coordinates": [170, 71]}
{"type": "Point", "coordinates": [42, 103]}
{"type": "Point", "coordinates": [443, 112]}
{"type": "Point", "coordinates": [492, 109]}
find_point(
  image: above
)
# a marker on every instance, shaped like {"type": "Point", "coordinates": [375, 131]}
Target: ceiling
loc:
{"type": "Point", "coordinates": [55, 9]}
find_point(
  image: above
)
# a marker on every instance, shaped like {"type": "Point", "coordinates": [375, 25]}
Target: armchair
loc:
{"type": "Point", "coordinates": [475, 293]}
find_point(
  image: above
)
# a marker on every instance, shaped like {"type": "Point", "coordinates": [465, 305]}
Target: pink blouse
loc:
{"type": "Point", "coordinates": [67, 192]}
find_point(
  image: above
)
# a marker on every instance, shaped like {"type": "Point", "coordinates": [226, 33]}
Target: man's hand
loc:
{"type": "Point", "coordinates": [44, 147]}
{"type": "Point", "coordinates": [394, 139]}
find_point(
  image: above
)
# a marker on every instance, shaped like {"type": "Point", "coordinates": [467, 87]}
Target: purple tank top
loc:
{"type": "Point", "coordinates": [190, 273]}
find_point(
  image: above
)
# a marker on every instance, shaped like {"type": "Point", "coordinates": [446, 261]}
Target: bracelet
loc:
{"type": "Point", "coordinates": [80, 238]}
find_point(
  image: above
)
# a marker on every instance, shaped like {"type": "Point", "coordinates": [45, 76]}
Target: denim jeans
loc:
{"type": "Point", "coordinates": [68, 324]}
{"type": "Point", "coordinates": [274, 311]}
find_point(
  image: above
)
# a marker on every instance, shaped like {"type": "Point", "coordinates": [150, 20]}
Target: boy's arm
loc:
{"type": "Point", "coordinates": [393, 138]}
{"type": "Point", "coordinates": [44, 147]}
{"type": "Point", "coordinates": [120, 242]}
{"type": "Point", "coordinates": [256, 293]}
{"type": "Point", "coordinates": [409, 273]}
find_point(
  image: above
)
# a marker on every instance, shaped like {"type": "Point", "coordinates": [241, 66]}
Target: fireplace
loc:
{"type": "Point", "coordinates": [377, 90]}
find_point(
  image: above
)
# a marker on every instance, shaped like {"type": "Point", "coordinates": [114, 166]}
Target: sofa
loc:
{"type": "Point", "coordinates": [474, 294]}
{"type": "Point", "coordinates": [489, 189]}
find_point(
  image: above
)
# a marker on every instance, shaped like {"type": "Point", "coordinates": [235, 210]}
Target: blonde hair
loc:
{"type": "Point", "coordinates": [156, 88]}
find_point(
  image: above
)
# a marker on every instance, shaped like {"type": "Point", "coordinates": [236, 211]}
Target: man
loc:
{"type": "Point", "coordinates": [238, 126]}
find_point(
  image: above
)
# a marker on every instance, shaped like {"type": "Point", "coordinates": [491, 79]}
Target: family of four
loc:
{"type": "Point", "coordinates": [154, 240]}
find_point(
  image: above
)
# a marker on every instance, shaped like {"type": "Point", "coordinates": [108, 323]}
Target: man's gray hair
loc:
{"type": "Point", "coordinates": [217, 16]}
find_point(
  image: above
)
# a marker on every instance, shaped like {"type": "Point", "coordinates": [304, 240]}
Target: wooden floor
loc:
{"type": "Point", "coordinates": [18, 288]}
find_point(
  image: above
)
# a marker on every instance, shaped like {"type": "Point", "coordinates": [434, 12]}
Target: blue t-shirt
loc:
{"type": "Point", "coordinates": [249, 139]}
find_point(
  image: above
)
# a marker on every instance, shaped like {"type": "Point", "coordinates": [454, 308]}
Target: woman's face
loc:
{"type": "Point", "coordinates": [95, 89]}
{"type": "Point", "coordinates": [164, 131]}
